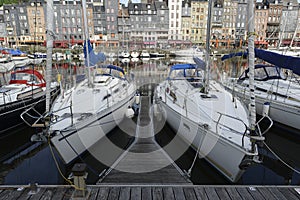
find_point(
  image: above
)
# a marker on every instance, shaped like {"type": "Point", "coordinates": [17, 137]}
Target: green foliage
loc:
{"type": "Point", "coordinates": [11, 1]}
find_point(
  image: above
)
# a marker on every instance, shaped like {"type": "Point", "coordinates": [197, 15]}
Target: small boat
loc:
{"type": "Point", "coordinates": [277, 94]}
{"type": "Point", "coordinates": [156, 55]}
{"type": "Point", "coordinates": [38, 55]}
{"type": "Point", "coordinates": [124, 54]}
{"type": "Point", "coordinates": [134, 54]}
{"type": "Point", "coordinates": [189, 52]}
{"type": "Point", "coordinates": [25, 89]}
{"type": "Point", "coordinates": [144, 54]}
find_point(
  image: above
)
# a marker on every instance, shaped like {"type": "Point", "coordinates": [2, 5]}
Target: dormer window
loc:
{"type": "Point", "coordinates": [135, 6]}
{"type": "Point", "coordinates": [148, 6]}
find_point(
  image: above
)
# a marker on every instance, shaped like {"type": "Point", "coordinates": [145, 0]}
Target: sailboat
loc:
{"type": "Point", "coordinates": [277, 93]}
{"type": "Point", "coordinates": [208, 118]}
{"type": "Point", "coordinates": [84, 114]}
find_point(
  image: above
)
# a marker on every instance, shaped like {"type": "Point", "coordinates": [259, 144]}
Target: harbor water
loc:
{"type": "Point", "coordinates": [23, 161]}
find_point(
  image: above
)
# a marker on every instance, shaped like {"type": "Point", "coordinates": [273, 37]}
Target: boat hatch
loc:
{"type": "Point", "coordinates": [208, 97]}
{"type": "Point", "coordinates": [101, 79]}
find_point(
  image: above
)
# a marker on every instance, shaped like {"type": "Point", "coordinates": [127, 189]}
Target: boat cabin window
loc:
{"type": "Point", "coordinates": [187, 73]}
{"type": "Point", "coordinates": [26, 77]}
{"type": "Point", "coordinates": [262, 73]}
{"type": "Point", "coordinates": [110, 72]}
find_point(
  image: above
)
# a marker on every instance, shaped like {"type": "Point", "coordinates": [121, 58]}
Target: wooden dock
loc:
{"type": "Point", "coordinates": [152, 192]}
{"type": "Point", "coordinates": [145, 162]}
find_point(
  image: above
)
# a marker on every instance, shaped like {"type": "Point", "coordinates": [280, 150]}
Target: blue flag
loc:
{"type": "Point", "coordinates": [93, 58]}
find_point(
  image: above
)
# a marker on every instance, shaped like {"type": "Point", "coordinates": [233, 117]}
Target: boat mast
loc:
{"type": "Point", "coordinates": [207, 47]}
{"type": "Point", "coordinates": [49, 37]}
{"type": "Point", "coordinates": [86, 38]}
{"type": "Point", "coordinates": [251, 56]}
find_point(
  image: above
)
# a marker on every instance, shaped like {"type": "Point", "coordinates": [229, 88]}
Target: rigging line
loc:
{"type": "Point", "coordinates": [285, 163]}
{"type": "Point", "coordinates": [58, 168]}
{"type": "Point", "coordinates": [196, 155]}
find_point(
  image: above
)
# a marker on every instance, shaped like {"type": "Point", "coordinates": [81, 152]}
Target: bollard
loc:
{"type": "Point", "coordinates": [79, 175]}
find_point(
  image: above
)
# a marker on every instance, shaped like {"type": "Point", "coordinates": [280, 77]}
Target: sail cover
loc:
{"type": "Point", "coordinates": [93, 57]}
{"type": "Point", "coordinates": [283, 61]}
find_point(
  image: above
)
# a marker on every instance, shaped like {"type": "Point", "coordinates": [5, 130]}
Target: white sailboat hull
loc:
{"type": "Point", "coordinates": [224, 156]}
{"type": "Point", "coordinates": [279, 111]}
{"type": "Point", "coordinates": [78, 139]}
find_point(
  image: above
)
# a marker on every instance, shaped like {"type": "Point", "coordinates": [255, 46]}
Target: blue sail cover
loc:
{"type": "Point", "coordinates": [283, 61]}
{"type": "Point", "coordinates": [93, 57]}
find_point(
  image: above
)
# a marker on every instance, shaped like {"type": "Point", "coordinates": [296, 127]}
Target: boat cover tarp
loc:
{"type": "Point", "coordinates": [14, 52]}
{"type": "Point", "coordinates": [283, 61]}
{"type": "Point", "coordinates": [183, 66]}
{"type": "Point", "coordinates": [93, 57]}
{"type": "Point", "coordinates": [200, 63]}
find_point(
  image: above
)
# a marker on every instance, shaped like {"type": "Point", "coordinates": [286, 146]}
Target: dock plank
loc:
{"type": "Point", "coordinates": [10, 194]}
{"type": "Point", "coordinates": [48, 194]}
{"type": "Point", "coordinates": [244, 193]}
{"type": "Point", "coordinates": [189, 193]}
{"type": "Point", "coordinates": [59, 193]}
{"type": "Point", "coordinates": [200, 193]}
{"type": "Point", "coordinates": [277, 193]}
{"type": "Point", "coordinates": [146, 193]}
{"type": "Point", "coordinates": [178, 193]}
{"type": "Point", "coordinates": [254, 192]}
{"type": "Point", "coordinates": [288, 194]}
{"type": "Point", "coordinates": [222, 193]}
{"type": "Point", "coordinates": [136, 193]}
{"type": "Point", "coordinates": [296, 193]}
{"type": "Point", "coordinates": [266, 193]}
{"type": "Point", "coordinates": [125, 193]}
{"type": "Point", "coordinates": [145, 162]}
{"type": "Point", "coordinates": [103, 193]}
{"type": "Point", "coordinates": [94, 193]}
{"type": "Point", "coordinates": [211, 193]}
{"type": "Point", "coordinates": [234, 195]}
{"type": "Point", "coordinates": [157, 193]}
{"type": "Point", "coordinates": [168, 193]}
{"type": "Point", "coordinates": [114, 193]}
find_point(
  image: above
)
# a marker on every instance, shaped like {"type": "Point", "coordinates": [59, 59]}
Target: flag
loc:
{"type": "Point", "coordinates": [93, 57]}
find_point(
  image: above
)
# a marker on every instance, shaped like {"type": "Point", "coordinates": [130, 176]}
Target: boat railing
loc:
{"type": "Point", "coordinates": [223, 115]}
{"type": "Point", "coordinates": [43, 120]}
{"type": "Point", "coordinates": [33, 118]}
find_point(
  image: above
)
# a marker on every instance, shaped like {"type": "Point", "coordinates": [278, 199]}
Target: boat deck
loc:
{"type": "Point", "coordinates": [145, 162]}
